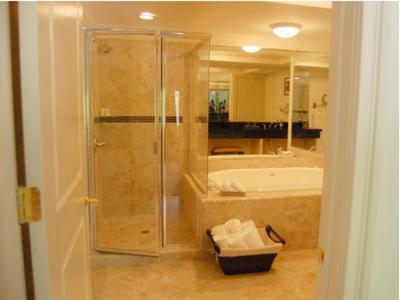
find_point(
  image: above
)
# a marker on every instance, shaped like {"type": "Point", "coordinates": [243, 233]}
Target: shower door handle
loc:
{"type": "Point", "coordinates": [98, 143]}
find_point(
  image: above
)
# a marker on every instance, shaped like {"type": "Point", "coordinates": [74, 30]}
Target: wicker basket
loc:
{"type": "Point", "coordinates": [243, 263]}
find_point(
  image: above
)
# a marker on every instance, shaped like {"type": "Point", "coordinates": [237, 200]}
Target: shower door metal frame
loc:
{"type": "Point", "coordinates": [160, 119]}
{"type": "Point", "coordinates": [89, 122]}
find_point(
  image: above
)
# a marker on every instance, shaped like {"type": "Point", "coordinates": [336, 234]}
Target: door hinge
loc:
{"type": "Point", "coordinates": [321, 255]}
{"type": "Point", "coordinates": [28, 204]}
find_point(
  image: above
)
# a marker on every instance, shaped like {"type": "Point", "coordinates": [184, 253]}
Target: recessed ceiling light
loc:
{"type": "Point", "coordinates": [250, 49]}
{"type": "Point", "coordinates": [285, 30]}
{"type": "Point", "coordinates": [147, 15]}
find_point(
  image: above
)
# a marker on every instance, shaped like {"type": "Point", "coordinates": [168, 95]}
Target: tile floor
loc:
{"type": "Point", "coordinates": [137, 232]}
{"type": "Point", "coordinates": [292, 277]}
{"type": "Point", "coordinates": [127, 232]}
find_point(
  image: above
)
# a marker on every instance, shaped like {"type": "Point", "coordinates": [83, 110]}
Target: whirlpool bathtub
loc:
{"type": "Point", "coordinates": [271, 179]}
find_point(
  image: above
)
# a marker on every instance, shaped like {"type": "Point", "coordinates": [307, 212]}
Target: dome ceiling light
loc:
{"type": "Point", "coordinates": [146, 15]}
{"type": "Point", "coordinates": [250, 49]}
{"type": "Point", "coordinates": [286, 30]}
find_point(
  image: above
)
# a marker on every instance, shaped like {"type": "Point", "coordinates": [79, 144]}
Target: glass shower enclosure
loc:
{"type": "Point", "coordinates": [145, 130]}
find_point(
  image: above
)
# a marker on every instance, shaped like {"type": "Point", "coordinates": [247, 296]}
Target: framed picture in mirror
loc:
{"type": "Point", "coordinates": [286, 86]}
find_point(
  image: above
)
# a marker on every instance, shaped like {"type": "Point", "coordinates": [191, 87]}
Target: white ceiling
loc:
{"type": "Point", "coordinates": [231, 23]}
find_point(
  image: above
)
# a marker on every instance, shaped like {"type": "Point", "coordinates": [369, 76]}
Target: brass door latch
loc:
{"type": "Point", "coordinates": [92, 201]}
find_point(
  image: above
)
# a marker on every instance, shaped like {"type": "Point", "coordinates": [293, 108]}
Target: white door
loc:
{"type": "Point", "coordinates": [51, 84]}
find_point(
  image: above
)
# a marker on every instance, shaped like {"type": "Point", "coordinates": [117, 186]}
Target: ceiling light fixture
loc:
{"type": "Point", "coordinates": [250, 49]}
{"type": "Point", "coordinates": [146, 15]}
{"type": "Point", "coordinates": [285, 30]}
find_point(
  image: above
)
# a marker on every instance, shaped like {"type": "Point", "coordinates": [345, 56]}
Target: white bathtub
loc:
{"type": "Point", "coordinates": [272, 179]}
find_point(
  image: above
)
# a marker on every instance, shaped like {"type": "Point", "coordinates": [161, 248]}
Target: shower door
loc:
{"type": "Point", "coordinates": [122, 140]}
{"type": "Point", "coordinates": [185, 66]}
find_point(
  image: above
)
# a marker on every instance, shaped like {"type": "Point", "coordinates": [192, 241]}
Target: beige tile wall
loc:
{"type": "Point", "coordinates": [198, 115]}
{"type": "Point", "coordinates": [294, 215]}
{"type": "Point", "coordinates": [191, 195]}
{"type": "Point", "coordinates": [252, 146]}
{"type": "Point", "coordinates": [176, 70]}
{"type": "Point", "coordinates": [124, 82]}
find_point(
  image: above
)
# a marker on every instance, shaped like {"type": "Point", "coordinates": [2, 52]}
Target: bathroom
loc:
{"type": "Point", "coordinates": [153, 181]}
{"type": "Point", "coordinates": [188, 116]}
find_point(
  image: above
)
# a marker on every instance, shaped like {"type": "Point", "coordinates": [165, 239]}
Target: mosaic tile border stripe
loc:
{"type": "Point", "coordinates": [134, 119]}
{"type": "Point", "coordinates": [201, 119]}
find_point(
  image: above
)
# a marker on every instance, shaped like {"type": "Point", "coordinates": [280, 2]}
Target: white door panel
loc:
{"type": "Point", "coordinates": [50, 37]}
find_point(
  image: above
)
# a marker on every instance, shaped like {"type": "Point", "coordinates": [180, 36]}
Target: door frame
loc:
{"type": "Point", "coordinates": [357, 235]}
{"type": "Point", "coordinates": [13, 282]}
{"type": "Point", "coordinates": [331, 282]}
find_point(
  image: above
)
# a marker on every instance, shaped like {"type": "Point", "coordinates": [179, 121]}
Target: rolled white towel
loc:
{"type": "Point", "coordinates": [226, 187]}
{"type": "Point", "coordinates": [214, 184]}
{"type": "Point", "coordinates": [248, 224]}
{"type": "Point", "coordinates": [233, 226]}
{"type": "Point", "coordinates": [222, 240]}
{"type": "Point", "coordinates": [237, 187]}
{"type": "Point", "coordinates": [252, 238]}
{"type": "Point", "coordinates": [218, 230]}
{"type": "Point", "coordinates": [235, 240]}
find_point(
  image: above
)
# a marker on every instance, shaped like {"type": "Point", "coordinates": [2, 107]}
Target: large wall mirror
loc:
{"type": "Point", "coordinates": [310, 92]}
{"type": "Point", "coordinates": [249, 102]}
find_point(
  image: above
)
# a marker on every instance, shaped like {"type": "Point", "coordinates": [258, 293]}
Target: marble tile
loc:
{"type": "Point", "coordinates": [179, 223]}
{"type": "Point", "coordinates": [292, 277]}
{"type": "Point", "coordinates": [124, 73]}
{"type": "Point", "coordinates": [127, 232]}
{"type": "Point", "coordinates": [294, 214]}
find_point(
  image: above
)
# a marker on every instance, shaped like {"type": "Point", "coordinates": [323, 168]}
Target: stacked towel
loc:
{"type": "Point", "coordinates": [237, 187]}
{"type": "Point", "coordinates": [218, 230]}
{"type": "Point", "coordinates": [233, 226]}
{"type": "Point", "coordinates": [222, 240]}
{"type": "Point", "coordinates": [227, 186]}
{"type": "Point", "coordinates": [252, 238]}
{"type": "Point", "coordinates": [236, 241]}
{"type": "Point", "coordinates": [235, 234]}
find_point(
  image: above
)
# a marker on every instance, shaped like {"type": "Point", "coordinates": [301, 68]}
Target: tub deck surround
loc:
{"type": "Point", "coordinates": [294, 214]}
{"type": "Point", "coordinates": [192, 198]}
{"type": "Point", "coordinates": [215, 196]}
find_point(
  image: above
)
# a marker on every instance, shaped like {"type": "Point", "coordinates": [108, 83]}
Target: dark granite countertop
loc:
{"type": "Point", "coordinates": [240, 130]}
